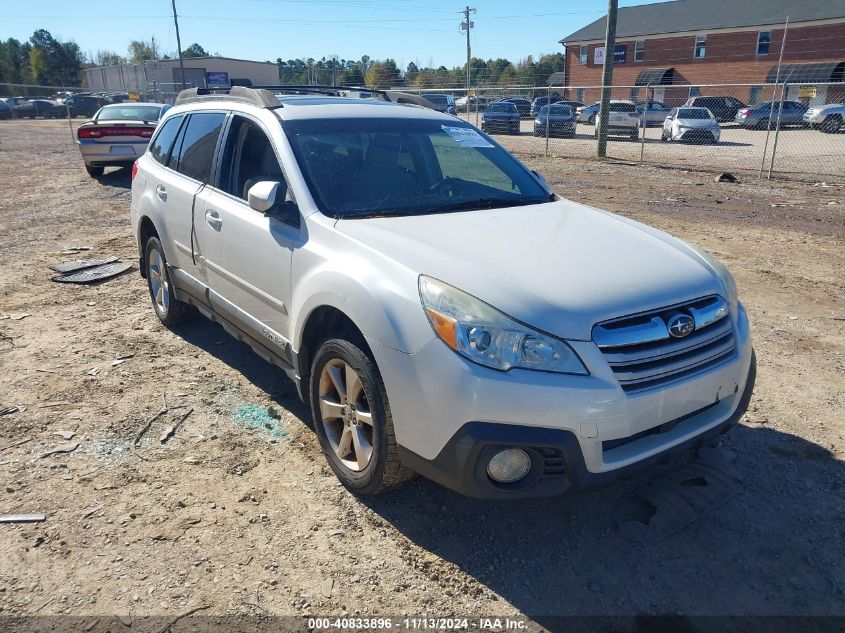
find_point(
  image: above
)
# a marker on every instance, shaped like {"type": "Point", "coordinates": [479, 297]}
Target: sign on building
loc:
{"type": "Point", "coordinates": [807, 92]}
{"type": "Point", "coordinates": [619, 54]}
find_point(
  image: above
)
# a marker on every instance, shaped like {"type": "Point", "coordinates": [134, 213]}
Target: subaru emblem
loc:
{"type": "Point", "coordinates": [681, 325]}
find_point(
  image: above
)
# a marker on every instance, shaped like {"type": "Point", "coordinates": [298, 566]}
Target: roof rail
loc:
{"type": "Point", "coordinates": [331, 91]}
{"type": "Point", "coordinates": [252, 96]}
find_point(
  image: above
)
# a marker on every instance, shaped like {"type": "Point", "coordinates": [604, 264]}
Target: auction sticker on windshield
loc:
{"type": "Point", "coordinates": [466, 136]}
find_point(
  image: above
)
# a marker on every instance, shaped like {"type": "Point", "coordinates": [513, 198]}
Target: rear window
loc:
{"type": "Point", "coordinates": [125, 112]}
{"type": "Point", "coordinates": [162, 143]}
{"type": "Point", "coordinates": [623, 107]}
{"type": "Point", "coordinates": [196, 149]}
{"type": "Point", "coordinates": [437, 99]}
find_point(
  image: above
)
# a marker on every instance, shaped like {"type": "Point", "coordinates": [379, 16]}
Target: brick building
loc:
{"type": "Point", "coordinates": [674, 47]}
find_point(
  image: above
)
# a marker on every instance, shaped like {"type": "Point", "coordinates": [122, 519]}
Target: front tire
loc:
{"type": "Point", "coordinates": [352, 417]}
{"type": "Point", "coordinates": [169, 310]}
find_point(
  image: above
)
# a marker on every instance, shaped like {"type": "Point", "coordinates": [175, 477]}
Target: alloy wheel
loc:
{"type": "Point", "coordinates": [159, 284]}
{"type": "Point", "coordinates": [345, 414]}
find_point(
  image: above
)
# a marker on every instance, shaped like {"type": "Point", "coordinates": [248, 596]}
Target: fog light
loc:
{"type": "Point", "coordinates": [509, 465]}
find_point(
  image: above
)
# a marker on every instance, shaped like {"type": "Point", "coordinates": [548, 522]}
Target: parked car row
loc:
{"type": "Point", "coordinates": [58, 106]}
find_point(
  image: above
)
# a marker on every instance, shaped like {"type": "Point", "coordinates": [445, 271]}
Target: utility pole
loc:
{"type": "Point", "coordinates": [178, 44]}
{"type": "Point", "coordinates": [607, 76]}
{"type": "Point", "coordinates": [466, 25]}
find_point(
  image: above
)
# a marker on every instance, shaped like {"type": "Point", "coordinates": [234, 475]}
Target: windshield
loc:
{"type": "Point", "coordinates": [373, 167]}
{"type": "Point", "coordinates": [693, 113]}
{"type": "Point", "coordinates": [556, 109]}
{"type": "Point", "coordinates": [501, 107]}
{"type": "Point", "coordinates": [125, 112]}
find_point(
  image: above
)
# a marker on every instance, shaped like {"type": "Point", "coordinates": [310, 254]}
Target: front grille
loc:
{"type": "Point", "coordinates": [643, 355]}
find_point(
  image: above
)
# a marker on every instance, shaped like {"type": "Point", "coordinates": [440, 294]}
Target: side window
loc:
{"type": "Point", "coordinates": [162, 143]}
{"type": "Point", "coordinates": [196, 150]}
{"type": "Point", "coordinates": [248, 158]}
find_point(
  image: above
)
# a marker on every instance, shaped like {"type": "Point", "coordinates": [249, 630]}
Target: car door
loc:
{"type": "Point", "coordinates": [247, 254]}
{"type": "Point", "coordinates": [178, 176]}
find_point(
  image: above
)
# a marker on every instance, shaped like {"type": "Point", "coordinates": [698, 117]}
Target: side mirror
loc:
{"type": "Point", "coordinates": [262, 195]}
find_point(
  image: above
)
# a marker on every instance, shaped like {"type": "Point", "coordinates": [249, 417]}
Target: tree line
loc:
{"type": "Point", "coordinates": [44, 60]}
{"type": "Point", "coordinates": [386, 74]}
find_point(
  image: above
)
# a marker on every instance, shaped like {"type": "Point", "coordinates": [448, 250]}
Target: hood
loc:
{"type": "Point", "coordinates": [560, 267]}
{"type": "Point", "coordinates": [697, 122]}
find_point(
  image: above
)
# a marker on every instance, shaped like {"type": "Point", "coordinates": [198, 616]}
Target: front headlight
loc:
{"type": "Point", "coordinates": [488, 337]}
{"type": "Point", "coordinates": [724, 275]}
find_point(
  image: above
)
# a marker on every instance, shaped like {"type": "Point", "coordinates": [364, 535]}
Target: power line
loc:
{"type": "Point", "coordinates": [467, 25]}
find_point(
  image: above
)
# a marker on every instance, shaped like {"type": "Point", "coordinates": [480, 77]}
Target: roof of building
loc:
{"type": "Point", "coordinates": [679, 16]}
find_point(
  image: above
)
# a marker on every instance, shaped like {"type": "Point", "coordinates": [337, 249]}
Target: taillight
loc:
{"type": "Point", "coordinates": [134, 169]}
{"type": "Point", "coordinates": [99, 132]}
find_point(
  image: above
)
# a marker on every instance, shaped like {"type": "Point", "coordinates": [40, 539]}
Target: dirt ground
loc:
{"type": "Point", "coordinates": [237, 513]}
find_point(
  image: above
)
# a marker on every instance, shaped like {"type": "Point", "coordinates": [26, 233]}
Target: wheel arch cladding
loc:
{"type": "Point", "coordinates": [322, 323]}
{"type": "Point", "coordinates": [146, 230]}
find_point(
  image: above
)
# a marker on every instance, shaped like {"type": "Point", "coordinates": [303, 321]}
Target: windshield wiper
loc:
{"type": "Point", "coordinates": [485, 203]}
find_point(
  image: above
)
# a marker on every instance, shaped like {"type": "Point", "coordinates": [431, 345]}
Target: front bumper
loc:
{"type": "Point", "coordinates": [698, 134]}
{"type": "Point", "coordinates": [448, 413]}
{"type": "Point", "coordinates": [564, 128]}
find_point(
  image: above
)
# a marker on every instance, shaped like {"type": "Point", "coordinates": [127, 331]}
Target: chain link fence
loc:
{"type": "Point", "coordinates": [787, 130]}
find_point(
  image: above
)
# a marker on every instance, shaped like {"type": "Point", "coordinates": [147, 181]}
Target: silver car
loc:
{"type": "Point", "coordinates": [691, 124]}
{"type": "Point", "coordinates": [827, 118]}
{"type": "Point", "coordinates": [440, 309]}
{"type": "Point", "coordinates": [117, 135]}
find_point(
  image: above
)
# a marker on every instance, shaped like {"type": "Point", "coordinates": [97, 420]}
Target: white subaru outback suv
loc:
{"type": "Point", "coordinates": [440, 309]}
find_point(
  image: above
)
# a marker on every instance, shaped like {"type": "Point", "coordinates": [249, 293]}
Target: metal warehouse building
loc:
{"type": "Point", "coordinates": [161, 80]}
{"type": "Point", "coordinates": [697, 42]}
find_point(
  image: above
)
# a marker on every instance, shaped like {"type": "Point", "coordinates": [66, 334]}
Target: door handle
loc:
{"type": "Point", "coordinates": [161, 192]}
{"type": "Point", "coordinates": [213, 218]}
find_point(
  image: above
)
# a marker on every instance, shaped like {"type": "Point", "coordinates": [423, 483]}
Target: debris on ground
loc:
{"type": "Point", "coordinates": [14, 444]}
{"type": "Point", "coordinates": [32, 517]}
{"type": "Point", "coordinates": [12, 409]}
{"type": "Point", "coordinates": [72, 250]}
{"type": "Point", "coordinates": [15, 317]}
{"type": "Point", "coordinates": [260, 418]}
{"type": "Point", "coordinates": [61, 448]}
{"type": "Point", "coordinates": [92, 275]}
{"type": "Point", "coordinates": [65, 435]}
{"type": "Point", "coordinates": [726, 176]}
{"type": "Point", "coordinates": [170, 430]}
{"type": "Point", "coordinates": [81, 264]}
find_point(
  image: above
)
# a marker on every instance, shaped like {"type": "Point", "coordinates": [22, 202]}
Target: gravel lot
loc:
{"type": "Point", "coordinates": [803, 154]}
{"type": "Point", "coordinates": [238, 513]}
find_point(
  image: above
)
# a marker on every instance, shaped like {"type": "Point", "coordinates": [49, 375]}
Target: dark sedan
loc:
{"type": "Point", "coordinates": [36, 108]}
{"type": "Point", "coordinates": [523, 106]}
{"type": "Point", "coordinates": [555, 120]}
{"type": "Point", "coordinates": [84, 105]}
{"type": "Point", "coordinates": [500, 117]}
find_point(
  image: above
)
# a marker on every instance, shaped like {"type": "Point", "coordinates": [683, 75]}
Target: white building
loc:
{"type": "Point", "coordinates": [161, 80]}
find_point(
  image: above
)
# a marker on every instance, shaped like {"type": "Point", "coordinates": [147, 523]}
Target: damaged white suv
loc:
{"type": "Point", "coordinates": [440, 309]}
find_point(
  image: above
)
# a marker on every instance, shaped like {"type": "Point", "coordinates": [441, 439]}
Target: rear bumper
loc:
{"type": "Point", "coordinates": [97, 153]}
{"type": "Point", "coordinates": [558, 464]}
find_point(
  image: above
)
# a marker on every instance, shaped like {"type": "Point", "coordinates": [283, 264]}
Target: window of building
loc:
{"type": "Point", "coordinates": [639, 50]}
{"type": "Point", "coordinates": [694, 91]}
{"type": "Point", "coordinates": [700, 46]}
{"type": "Point", "coordinates": [580, 95]}
{"type": "Point", "coordinates": [754, 95]}
{"type": "Point", "coordinates": [635, 92]}
{"type": "Point", "coordinates": [764, 38]}
{"type": "Point", "coordinates": [582, 54]}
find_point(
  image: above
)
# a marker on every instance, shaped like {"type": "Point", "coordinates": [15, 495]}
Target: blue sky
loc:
{"type": "Point", "coordinates": [423, 31]}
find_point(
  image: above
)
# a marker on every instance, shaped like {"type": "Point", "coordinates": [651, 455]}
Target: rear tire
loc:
{"type": "Point", "coordinates": [169, 310]}
{"type": "Point", "coordinates": [352, 417]}
{"type": "Point", "coordinates": [94, 172]}
{"type": "Point", "coordinates": [831, 124]}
